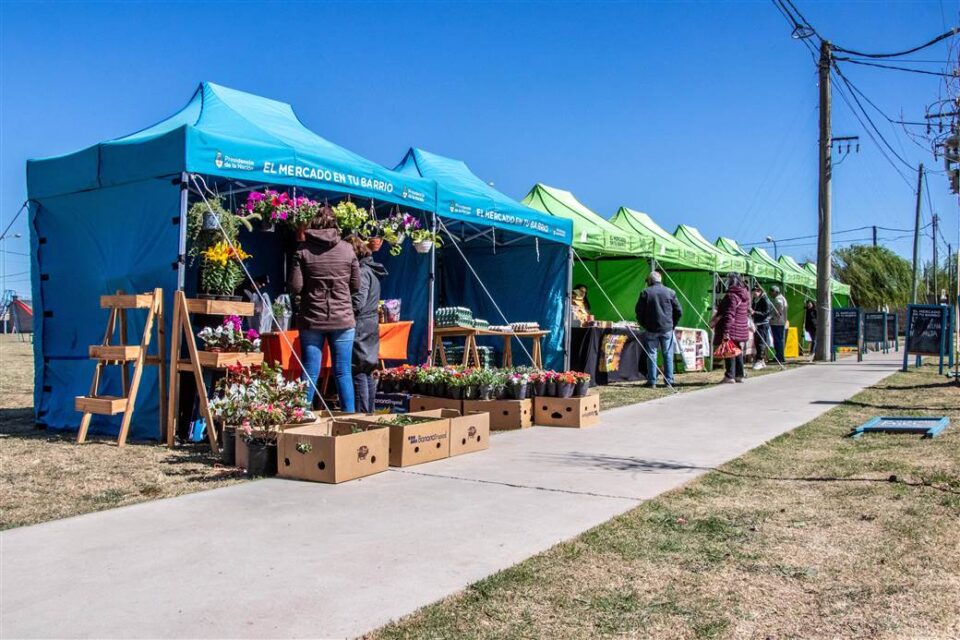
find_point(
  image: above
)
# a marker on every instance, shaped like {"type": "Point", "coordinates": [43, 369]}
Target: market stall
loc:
{"type": "Point", "coordinates": [505, 262]}
{"type": "Point", "coordinates": [840, 291]}
{"type": "Point", "coordinates": [117, 216]}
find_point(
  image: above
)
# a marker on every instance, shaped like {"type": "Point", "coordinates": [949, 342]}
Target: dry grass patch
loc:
{"type": "Point", "coordinates": [45, 476]}
{"type": "Point", "coordinates": [812, 535]}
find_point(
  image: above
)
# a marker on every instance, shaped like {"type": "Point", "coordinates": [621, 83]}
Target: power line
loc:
{"type": "Point", "coordinates": [843, 231]}
{"type": "Point", "coordinates": [894, 68]}
{"type": "Point", "coordinates": [942, 36]}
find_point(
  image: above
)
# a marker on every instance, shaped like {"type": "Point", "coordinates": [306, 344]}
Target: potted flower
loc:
{"type": "Point", "coordinates": [424, 240]}
{"type": "Point", "coordinates": [221, 271]}
{"type": "Point", "coordinates": [229, 337]}
{"type": "Point", "coordinates": [486, 380]}
{"type": "Point", "coordinates": [270, 205]}
{"type": "Point", "coordinates": [456, 383]}
{"type": "Point", "coordinates": [565, 384]}
{"type": "Point", "coordinates": [516, 385]}
{"type": "Point", "coordinates": [550, 388]}
{"type": "Point", "coordinates": [396, 228]}
{"type": "Point", "coordinates": [582, 386]}
{"type": "Point", "coordinates": [257, 401]}
{"type": "Point", "coordinates": [208, 222]}
{"type": "Point", "coordinates": [302, 211]}
{"type": "Point", "coordinates": [353, 220]}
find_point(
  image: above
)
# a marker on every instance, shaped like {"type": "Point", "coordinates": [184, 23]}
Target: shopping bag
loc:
{"type": "Point", "coordinates": [727, 349]}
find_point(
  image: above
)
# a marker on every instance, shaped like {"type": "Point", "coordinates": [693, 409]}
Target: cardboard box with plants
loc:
{"type": "Point", "coordinates": [333, 451]}
{"type": "Point", "coordinates": [469, 432]}
{"type": "Point", "coordinates": [415, 438]}
{"type": "Point", "coordinates": [428, 403]}
{"type": "Point", "coordinates": [568, 412]}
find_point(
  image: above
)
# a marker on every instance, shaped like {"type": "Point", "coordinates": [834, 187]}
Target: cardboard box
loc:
{"type": "Point", "coordinates": [468, 433]}
{"type": "Point", "coordinates": [391, 403]}
{"type": "Point", "coordinates": [504, 414]}
{"type": "Point", "coordinates": [241, 455]}
{"type": "Point", "coordinates": [568, 412]}
{"type": "Point", "coordinates": [414, 443]}
{"type": "Point", "coordinates": [428, 403]}
{"type": "Point", "coordinates": [310, 452]}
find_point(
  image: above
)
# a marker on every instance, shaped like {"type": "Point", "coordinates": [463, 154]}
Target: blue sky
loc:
{"type": "Point", "coordinates": [698, 113]}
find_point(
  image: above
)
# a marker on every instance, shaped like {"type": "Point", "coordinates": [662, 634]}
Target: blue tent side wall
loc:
{"type": "Point", "coordinates": [527, 284]}
{"type": "Point", "coordinates": [87, 244]}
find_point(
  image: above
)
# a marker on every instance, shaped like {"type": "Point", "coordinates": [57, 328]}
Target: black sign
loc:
{"type": "Point", "coordinates": [846, 327]}
{"type": "Point", "coordinates": [874, 326]}
{"type": "Point", "coordinates": [926, 325]}
{"type": "Point", "coordinates": [892, 327]}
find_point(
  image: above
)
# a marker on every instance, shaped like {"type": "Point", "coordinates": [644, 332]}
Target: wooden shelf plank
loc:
{"type": "Point", "coordinates": [219, 307]}
{"type": "Point", "coordinates": [118, 352]}
{"type": "Point", "coordinates": [127, 301]}
{"type": "Point", "coordinates": [101, 405]}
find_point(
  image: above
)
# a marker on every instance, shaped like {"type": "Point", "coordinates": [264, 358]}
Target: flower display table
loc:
{"type": "Point", "coordinates": [470, 346]}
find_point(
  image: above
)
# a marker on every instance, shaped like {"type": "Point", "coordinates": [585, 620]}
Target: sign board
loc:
{"type": "Point", "coordinates": [926, 332]}
{"type": "Point", "coordinates": [875, 327]}
{"type": "Point", "coordinates": [846, 330]}
{"type": "Point", "coordinates": [893, 329]}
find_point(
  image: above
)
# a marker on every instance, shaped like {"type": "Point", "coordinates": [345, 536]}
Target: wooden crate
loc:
{"type": "Point", "coordinates": [219, 307]}
{"type": "Point", "coordinates": [223, 359]}
{"type": "Point", "coordinates": [126, 301]}
{"type": "Point", "coordinates": [114, 352]}
{"type": "Point", "coordinates": [101, 405]}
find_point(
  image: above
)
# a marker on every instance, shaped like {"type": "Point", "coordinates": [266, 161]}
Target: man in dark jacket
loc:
{"type": "Point", "coordinates": [658, 312]}
{"type": "Point", "coordinates": [325, 273]}
{"type": "Point", "coordinates": [366, 342]}
{"type": "Point", "coordinates": [762, 310]}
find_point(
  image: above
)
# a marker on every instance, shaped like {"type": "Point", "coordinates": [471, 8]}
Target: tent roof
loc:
{"type": "Point", "coordinates": [723, 261]}
{"type": "Point", "coordinates": [793, 273]}
{"type": "Point", "coordinates": [835, 285]}
{"type": "Point", "coordinates": [463, 196]}
{"type": "Point", "coordinates": [231, 134]}
{"type": "Point", "coordinates": [756, 268]}
{"type": "Point", "coordinates": [666, 248]}
{"type": "Point", "coordinates": [761, 256]}
{"type": "Point", "coordinates": [591, 233]}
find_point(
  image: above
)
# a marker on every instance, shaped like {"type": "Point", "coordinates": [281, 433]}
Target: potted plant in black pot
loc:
{"type": "Point", "coordinates": [517, 384]}
{"type": "Point", "coordinates": [582, 386]}
{"type": "Point", "coordinates": [258, 401]}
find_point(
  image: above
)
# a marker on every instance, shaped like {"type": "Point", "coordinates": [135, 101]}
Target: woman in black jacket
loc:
{"type": "Point", "coordinates": [366, 344]}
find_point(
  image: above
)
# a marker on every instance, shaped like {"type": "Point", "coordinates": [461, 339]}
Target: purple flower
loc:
{"type": "Point", "coordinates": [252, 335]}
{"type": "Point", "coordinates": [233, 321]}
{"type": "Point", "coordinates": [255, 196]}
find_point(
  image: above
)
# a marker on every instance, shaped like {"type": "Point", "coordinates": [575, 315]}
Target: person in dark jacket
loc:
{"type": "Point", "coordinates": [366, 342]}
{"type": "Point", "coordinates": [762, 310]}
{"type": "Point", "coordinates": [810, 323]}
{"type": "Point", "coordinates": [658, 312]}
{"type": "Point", "coordinates": [733, 313]}
{"type": "Point", "coordinates": [325, 273]}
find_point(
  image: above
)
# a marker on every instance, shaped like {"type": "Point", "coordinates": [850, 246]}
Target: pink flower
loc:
{"type": "Point", "coordinates": [233, 321]}
{"type": "Point", "coordinates": [255, 196]}
{"type": "Point", "coordinates": [252, 334]}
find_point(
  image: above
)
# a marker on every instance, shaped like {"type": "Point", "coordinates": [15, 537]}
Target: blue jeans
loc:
{"type": "Point", "coordinates": [779, 337]}
{"type": "Point", "coordinates": [665, 343]}
{"type": "Point", "coordinates": [341, 352]}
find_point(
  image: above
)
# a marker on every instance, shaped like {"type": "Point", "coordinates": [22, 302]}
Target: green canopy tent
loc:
{"type": "Point", "coordinates": [723, 262]}
{"type": "Point", "coordinates": [758, 269]}
{"type": "Point", "coordinates": [800, 287]}
{"type": "Point", "coordinates": [619, 261]}
{"type": "Point", "coordinates": [840, 292]}
{"type": "Point", "coordinates": [689, 270]}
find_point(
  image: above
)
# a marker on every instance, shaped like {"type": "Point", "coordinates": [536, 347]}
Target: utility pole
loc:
{"type": "Point", "coordinates": [916, 238]}
{"type": "Point", "coordinates": [874, 235]}
{"type": "Point", "coordinates": [824, 251]}
{"type": "Point", "coordinates": [936, 262]}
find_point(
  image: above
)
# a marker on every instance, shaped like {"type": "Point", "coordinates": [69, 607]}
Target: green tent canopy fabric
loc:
{"type": "Point", "coordinates": [723, 262]}
{"type": "Point", "coordinates": [801, 277]}
{"type": "Point", "coordinates": [837, 287]}
{"type": "Point", "coordinates": [667, 249]}
{"type": "Point", "coordinates": [592, 234]}
{"type": "Point", "coordinates": [756, 268]}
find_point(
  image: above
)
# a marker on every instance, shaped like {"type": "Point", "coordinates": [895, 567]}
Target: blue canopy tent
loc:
{"type": "Point", "coordinates": [515, 251]}
{"type": "Point", "coordinates": [113, 216]}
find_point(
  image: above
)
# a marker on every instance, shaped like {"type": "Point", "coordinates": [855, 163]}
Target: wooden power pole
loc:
{"type": "Point", "coordinates": [936, 260]}
{"type": "Point", "coordinates": [916, 238]}
{"type": "Point", "coordinates": [824, 251]}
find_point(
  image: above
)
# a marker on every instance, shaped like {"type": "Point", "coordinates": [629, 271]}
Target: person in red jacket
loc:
{"type": "Point", "coordinates": [732, 324]}
{"type": "Point", "coordinates": [325, 273]}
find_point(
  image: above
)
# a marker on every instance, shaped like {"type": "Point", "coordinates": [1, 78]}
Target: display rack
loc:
{"type": "Point", "coordinates": [197, 360]}
{"type": "Point", "coordinates": [123, 355]}
{"type": "Point", "coordinates": [470, 352]}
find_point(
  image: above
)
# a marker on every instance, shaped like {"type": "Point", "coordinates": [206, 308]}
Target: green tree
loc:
{"type": "Point", "coordinates": [877, 276]}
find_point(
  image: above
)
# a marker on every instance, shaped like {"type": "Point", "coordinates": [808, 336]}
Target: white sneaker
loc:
{"type": "Point", "coordinates": [758, 365]}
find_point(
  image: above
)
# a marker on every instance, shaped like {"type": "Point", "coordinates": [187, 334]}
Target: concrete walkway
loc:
{"type": "Point", "coordinates": [279, 558]}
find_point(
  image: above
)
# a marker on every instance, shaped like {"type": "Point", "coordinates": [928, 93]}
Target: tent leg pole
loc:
{"type": "Point", "coordinates": [432, 284]}
{"type": "Point", "coordinates": [567, 311]}
{"type": "Point", "coordinates": [182, 245]}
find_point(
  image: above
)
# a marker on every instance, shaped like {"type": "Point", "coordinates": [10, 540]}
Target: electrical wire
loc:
{"type": "Point", "coordinates": [942, 36]}
{"type": "Point", "coordinates": [894, 68]}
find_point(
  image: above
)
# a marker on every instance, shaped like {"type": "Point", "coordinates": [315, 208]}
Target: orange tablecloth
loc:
{"type": "Point", "coordinates": [394, 337]}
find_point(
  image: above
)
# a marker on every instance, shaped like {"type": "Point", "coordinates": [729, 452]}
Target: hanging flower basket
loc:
{"type": "Point", "coordinates": [424, 246]}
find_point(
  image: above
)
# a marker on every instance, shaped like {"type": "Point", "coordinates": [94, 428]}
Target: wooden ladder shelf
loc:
{"type": "Point", "coordinates": [197, 360]}
{"type": "Point", "coordinates": [124, 355]}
